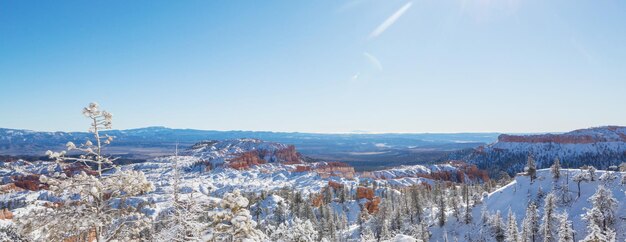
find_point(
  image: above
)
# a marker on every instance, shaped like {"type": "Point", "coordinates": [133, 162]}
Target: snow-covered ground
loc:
{"type": "Point", "coordinates": [520, 192]}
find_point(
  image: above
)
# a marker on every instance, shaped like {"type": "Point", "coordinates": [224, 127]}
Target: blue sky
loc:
{"type": "Point", "coordinates": [315, 66]}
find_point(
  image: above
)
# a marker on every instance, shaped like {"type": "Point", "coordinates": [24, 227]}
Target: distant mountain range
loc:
{"type": "Point", "coordinates": [601, 147]}
{"type": "Point", "coordinates": [365, 151]}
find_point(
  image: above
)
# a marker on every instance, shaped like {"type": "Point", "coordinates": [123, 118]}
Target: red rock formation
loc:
{"type": "Point", "coordinates": [6, 214]}
{"type": "Point", "coordinates": [328, 169]}
{"type": "Point", "coordinates": [302, 168]}
{"type": "Point", "coordinates": [372, 205]}
{"type": "Point", "coordinates": [335, 185]}
{"type": "Point", "coordinates": [364, 192]}
{"type": "Point", "coordinates": [246, 159]}
{"type": "Point", "coordinates": [255, 157]}
{"type": "Point", "coordinates": [29, 182]}
{"type": "Point", "coordinates": [11, 187]}
{"type": "Point", "coordinates": [76, 168]}
{"type": "Point", "coordinates": [317, 200]}
{"type": "Point", "coordinates": [288, 155]}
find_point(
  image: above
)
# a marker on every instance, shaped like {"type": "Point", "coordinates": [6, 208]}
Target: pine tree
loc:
{"type": "Point", "coordinates": [182, 223]}
{"type": "Point", "coordinates": [596, 234]}
{"type": "Point", "coordinates": [498, 227]}
{"type": "Point", "coordinates": [416, 203]}
{"type": "Point", "coordinates": [294, 230]}
{"type": "Point", "coordinates": [604, 206]}
{"type": "Point", "coordinates": [484, 215]}
{"type": "Point", "coordinates": [232, 221]}
{"type": "Point", "coordinates": [467, 211]}
{"type": "Point", "coordinates": [549, 219]}
{"type": "Point", "coordinates": [441, 212]}
{"type": "Point", "coordinates": [367, 235]}
{"type": "Point", "coordinates": [531, 223]}
{"type": "Point", "coordinates": [566, 231]}
{"type": "Point", "coordinates": [556, 168]}
{"type": "Point", "coordinates": [531, 168]}
{"type": "Point", "coordinates": [512, 233]}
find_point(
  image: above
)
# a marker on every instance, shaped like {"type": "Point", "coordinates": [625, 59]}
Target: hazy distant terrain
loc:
{"type": "Point", "coordinates": [365, 151]}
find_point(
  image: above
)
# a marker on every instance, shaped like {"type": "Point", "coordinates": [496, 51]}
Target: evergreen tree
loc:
{"type": "Point", "coordinates": [566, 231]}
{"type": "Point", "coordinates": [467, 211]}
{"type": "Point", "coordinates": [531, 223]}
{"type": "Point", "coordinates": [512, 233]}
{"type": "Point", "coordinates": [555, 169]}
{"type": "Point", "coordinates": [549, 219]}
{"type": "Point", "coordinates": [441, 206]}
{"type": "Point", "coordinates": [531, 168]}
{"type": "Point", "coordinates": [596, 234]}
{"type": "Point", "coordinates": [416, 203]}
{"type": "Point", "coordinates": [604, 206]}
{"type": "Point", "coordinates": [498, 227]}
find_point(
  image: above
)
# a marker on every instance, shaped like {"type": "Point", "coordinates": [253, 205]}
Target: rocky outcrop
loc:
{"type": "Point", "coordinates": [288, 155]}
{"type": "Point", "coordinates": [364, 192]}
{"type": "Point", "coordinates": [340, 169]}
{"type": "Point", "coordinates": [29, 182]}
{"type": "Point", "coordinates": [372, 205]}
{"type": "Point", "coordinates": [243, 153]}
{"type": "Point", "coordinates": [371, 201]}
{"type": "Point", "coordinates": [6, 214]}
{"type": "Point", "coordinates": [245, 160]}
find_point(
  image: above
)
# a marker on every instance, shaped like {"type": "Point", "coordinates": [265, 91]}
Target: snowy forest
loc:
{"type": "Point", "coordinates": [85, 195]}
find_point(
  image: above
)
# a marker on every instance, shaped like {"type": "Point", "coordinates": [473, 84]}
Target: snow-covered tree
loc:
{"type": "Point", "coordinates": [604, 206]}
{"type": "Point", "coordinates": [96, 202]}
{"type": "Point", "coordinates": [381, 221]}
{"type": "Point", "coordinates": [367, 235]}
{"type": "Point", "coordinates": [563, 194]}
{"type": "Point", "coordinates": [97, 205]}
{"type": "Point", "coordinates": [8, 233]}
{"type": "Point", "coordinates": [497, 227]}
{"type": "Point", "coordinates": [596, 234]}
{"type": "Point", "coordinates": [420, 232]}
{"type": "Point", "coordinates": [183, 221]}
{"type": "Point", "coordinates": [467, 210]}
{"type": "Point", "coordinates": [566, 231]}
{"type": "Point", "coordinates": [441, 209]}
{"type": "Point", "coordinates": [512, 232]}
{"type": "Point", "coordinates": [592, 173]}
{"type": "Point", "coordinates": [232, 221]}
{"type": "Point", "coordinates": [608, 177]}
{"type": "Point", "coordinates": [531, 168]}
{"type": "Point", "coordinates": [581, 176]}
{"type": "Point", "coordinates": [549, 221]}
{"type": "Point", "coordinates": [555, 169]}
{"type": "Point", "coordinates": [92, 152]}
{"type": "Point", "coordinates": [530, 225]}
{"type": "Point", "coordinates": [294, 230]}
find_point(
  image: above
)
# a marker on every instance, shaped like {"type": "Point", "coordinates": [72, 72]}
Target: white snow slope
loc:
{"type": "Point", "coordinates": [521, 191]}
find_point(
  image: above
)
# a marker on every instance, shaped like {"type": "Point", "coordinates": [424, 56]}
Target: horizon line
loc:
{"type": "Point", "coordinates": [321, 133]}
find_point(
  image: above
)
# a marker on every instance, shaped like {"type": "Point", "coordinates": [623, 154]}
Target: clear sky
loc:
{"type": "Point", "coordinates": [315, 66]}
